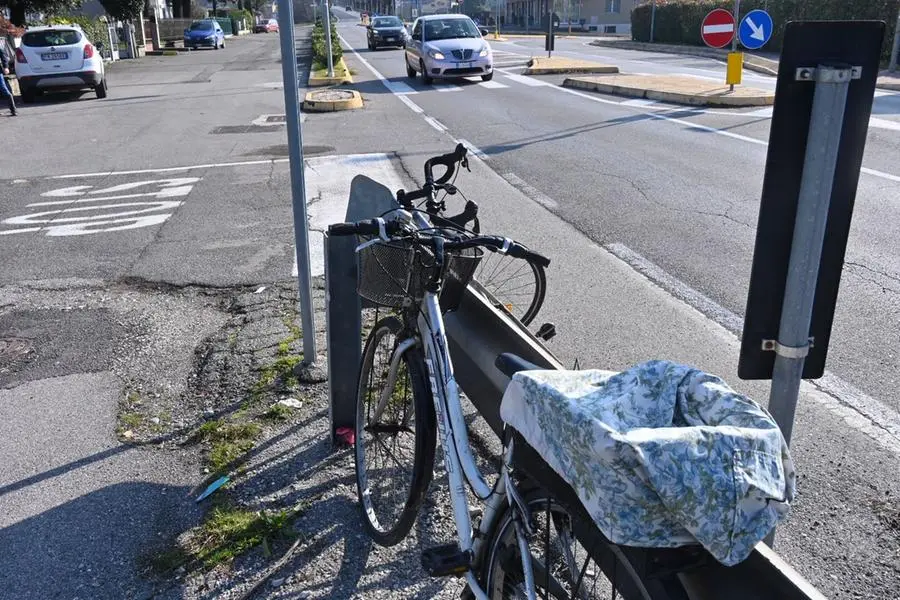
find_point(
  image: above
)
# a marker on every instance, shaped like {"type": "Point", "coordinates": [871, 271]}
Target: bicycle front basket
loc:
{"type": "Point", "coordinates": [390, 272]}
{"type": "Point", "coordinates": [460, 270]}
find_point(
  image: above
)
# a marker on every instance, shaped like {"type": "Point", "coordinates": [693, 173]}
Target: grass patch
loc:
{"type": "Point", "coordinates": [227, 532]}
{"type": "Point", "coordinates": [278, 412]}
{"type": "Point", "coordinates": [132, 420]}
{"type": "Point", "coordinates": [228, 441]}
{"type": "Point", "coordinates": [321, 69]}
{"type": "Point", "coordinates": [282, 369]}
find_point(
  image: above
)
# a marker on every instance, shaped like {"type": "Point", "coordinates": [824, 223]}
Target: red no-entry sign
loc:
{"type": "Point", "coordinates": [718, 28]}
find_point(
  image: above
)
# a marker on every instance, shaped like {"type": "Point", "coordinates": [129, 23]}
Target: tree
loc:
{"type": "Point", "coordinates": [19, 8]}
{"type": "Point", "coordinates": [123, 10]}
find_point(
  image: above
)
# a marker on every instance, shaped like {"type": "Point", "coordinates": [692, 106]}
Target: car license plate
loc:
{"type": "Point", "coordinates": [391, 39]}
{"type": "Point", "coordinates": [55, 56]}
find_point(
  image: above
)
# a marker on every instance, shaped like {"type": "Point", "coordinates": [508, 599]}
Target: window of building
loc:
{"type": "Point", "coordinates": [613, 6]}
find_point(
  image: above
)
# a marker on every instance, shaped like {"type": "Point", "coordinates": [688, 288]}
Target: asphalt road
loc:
{"type": "Point", "coordinates": [624, 171]}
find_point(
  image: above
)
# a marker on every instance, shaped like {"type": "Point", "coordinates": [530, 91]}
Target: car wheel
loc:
{"type": "Point", "coordinates": [100, 89]}
{"type": "Point", "coordinates": [223, 44]}
{"type": "Point", "coordinates": [426, 78]}
{"type": "Point", "coordinates": [410, 72]}
{"type": "Point", "coordinates": [487, 77]}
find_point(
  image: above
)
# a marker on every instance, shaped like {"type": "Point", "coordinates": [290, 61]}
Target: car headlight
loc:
{"type": "Point", "coordinates": [484, 51]}
{"type": "Point", "coordinates": [435, 55]}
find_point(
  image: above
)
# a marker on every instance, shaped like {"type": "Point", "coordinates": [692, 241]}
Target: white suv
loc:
{"type": "Point", "coordinates": [59, 57]}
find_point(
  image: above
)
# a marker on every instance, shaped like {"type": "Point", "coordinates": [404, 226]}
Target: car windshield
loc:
{"type": "Point", "coordinates": [201, 26]}
{"type": "Point", "coordinates": [388, 22]}
{"type": "Point", "coordinates": [448, 29]}
{"type": "Point", "coordinates": [51, 37]}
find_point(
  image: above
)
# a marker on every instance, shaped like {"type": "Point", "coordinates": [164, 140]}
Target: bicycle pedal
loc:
{"type": "Point", "coordinates": [448, 559]}
{"type": "Point", "coordinates": [546, 332]}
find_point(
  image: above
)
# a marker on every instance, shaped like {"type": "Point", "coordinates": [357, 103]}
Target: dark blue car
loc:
{"type": "Point", "coordinates": [204, 33]}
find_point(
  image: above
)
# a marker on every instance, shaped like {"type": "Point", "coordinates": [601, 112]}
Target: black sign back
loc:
{"type": "Point", "coordinates": [807, 44]}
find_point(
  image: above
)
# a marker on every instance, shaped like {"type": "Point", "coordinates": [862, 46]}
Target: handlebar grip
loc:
{"type": "Point", "coordinates": [517, 250]}
{"type": "Point", "coordinates": [367, 227]}
{"type": "Point", "coordinates": [448, 160]}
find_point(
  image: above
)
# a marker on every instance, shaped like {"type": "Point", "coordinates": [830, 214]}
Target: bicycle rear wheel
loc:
{"type": "Point", "coordinates": [394, 449]}
{"type": "Point", "coordinates": [519, 285]}
{"type": "Point", "coordinates": [574, 571]}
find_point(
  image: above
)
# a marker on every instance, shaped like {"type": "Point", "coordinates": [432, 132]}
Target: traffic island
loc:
{"type": "Point", "coordinates": [889, 81]}
{"type": "Point", "coordinates": [678, 89]}
{"type": "Point", "coordinates": [332, 100]}
{"type": "Point", "coordinates": [318, 75]}
{"type": "Point", "coordinates": [559, 64]}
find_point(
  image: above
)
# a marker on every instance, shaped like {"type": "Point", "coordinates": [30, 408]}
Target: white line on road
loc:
{"type": "Point", "coordinates": [525, 80]}
{"type": "Point", "coordinates": [447, 88]}
{"type": "Point", "coordinates": [25, 230]}
{"type": "Point", "coordinates": [435, 123]}
{"type": "Point", "coordinates": [527, 189]}
{"type": "Point", "coordinates": [869, 415]}
{"type": "Point", "coordinates": [474, 149]}
{"type": "Point", "coordinates": [245, 163]}
{"type": "Point", "coordinates": [492, 85]}
{"type": "Point", "coordinates": [412, 105]}
{"type": "Point", "coordinates": [639, 102]}
{"type": "Point", "coordinates": [398, 87]}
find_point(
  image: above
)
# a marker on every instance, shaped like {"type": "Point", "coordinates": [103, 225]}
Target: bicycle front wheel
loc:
{"type": "Point", "coordinates": [395, 435]}
{"type": "Point", "coordinates": [519, 285]}
{"type": "Point", "coordinates": [563, 567]}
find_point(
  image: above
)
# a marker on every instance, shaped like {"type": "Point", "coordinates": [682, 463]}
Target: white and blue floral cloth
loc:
{"type": "Point", "coordinates": [661, 455]}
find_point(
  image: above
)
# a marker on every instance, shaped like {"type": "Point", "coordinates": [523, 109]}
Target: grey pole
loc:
{"type": "Point", "coordinates": [896, 49]}
{"type": "Point", "coordinates": [652, 20]}
{"type": "Point", "coordinates": [819, 163]}
{"type": "Point", "coordinates": [326, 23]}
{"type": "Point", "coordinates": [298, 183]}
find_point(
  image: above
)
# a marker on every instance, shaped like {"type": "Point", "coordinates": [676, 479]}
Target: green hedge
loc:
{"type": "Point", "coordinates": [678, 21]}
{"type": "Point", "coordinates": [319, 47]}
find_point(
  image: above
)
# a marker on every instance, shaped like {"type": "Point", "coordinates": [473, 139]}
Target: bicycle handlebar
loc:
{"type": "Point", "coordinates": [375, 227]}
{"type": "Point", "coordinates": [448, 160]}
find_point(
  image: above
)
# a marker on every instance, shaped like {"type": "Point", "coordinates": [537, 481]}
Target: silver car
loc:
{"type": "Point", "coordinates": [444, 46]}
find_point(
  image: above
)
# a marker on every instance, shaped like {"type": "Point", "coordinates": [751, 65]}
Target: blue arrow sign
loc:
{"type": "Point", "coordinates": [755, 29]}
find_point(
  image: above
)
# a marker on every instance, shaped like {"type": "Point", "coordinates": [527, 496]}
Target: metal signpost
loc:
{"type": "Point", "coordinates": [896, 48]}
{"type": "Point", "coordinates": [824, 95]}
{"type": "Point", "coordinates": [298, 184]}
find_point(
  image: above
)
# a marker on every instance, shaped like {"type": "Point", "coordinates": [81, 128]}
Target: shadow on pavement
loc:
{"type": "Point", "coordinates": [87, 548]}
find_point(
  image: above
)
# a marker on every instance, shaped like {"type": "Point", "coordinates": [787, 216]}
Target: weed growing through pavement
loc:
{"type": "Point", "coordinates": [227, 532]}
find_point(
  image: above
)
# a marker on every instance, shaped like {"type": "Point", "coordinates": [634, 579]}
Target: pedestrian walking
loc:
{"type": "Point", "coordinates": [4, 87]}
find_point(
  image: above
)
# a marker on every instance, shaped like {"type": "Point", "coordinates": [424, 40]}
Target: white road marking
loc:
{"type": "Point", "coordinates": [524, 80]}
{"type": "Point", "coordinates": [245, 163]}
{"type": "Point", "coordinates": [639, 102]}
{"type": "Point", "coordinates": [527, 189]}
{"type": "Point", "coordinates": [867, 414]}
{"type": "Point", "coordinates": [26, 230]}
{"type": "Point", "coordinates": [492, 85]}
{"type": "Point", "coordinates": [473, 149]}
{"type": "Point", "coordinates": [447, 88]}
{"type": "Point", "coordinates": [398, 87]}
{"type": "Point", "coordinates": [412, 105]}
{"type": "Point", "coordinates": [435, 123]}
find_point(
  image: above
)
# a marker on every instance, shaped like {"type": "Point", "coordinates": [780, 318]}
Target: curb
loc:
{"type": "Point", "coordinates": [673, 97]}
{"type": "Point", "coordinates": [310, 104]}
{"type": "Point", "coordinates": [163, 53]}
{"type": "Point", "coordinates": [751, 62]}
{"type": "Point", "coordinates": [323, 81]}
{"type": "Point", "coordinates": [888, 86]}
{"type": "Point", "coordinates": [607, 69]}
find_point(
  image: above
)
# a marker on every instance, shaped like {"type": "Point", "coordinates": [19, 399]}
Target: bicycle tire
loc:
{"type": "Point", "coordinates": [511, 286]}
{"type": "Point", "coordinates": [501, 549]}
{"type": "Point", "coordinates": [387, 532]}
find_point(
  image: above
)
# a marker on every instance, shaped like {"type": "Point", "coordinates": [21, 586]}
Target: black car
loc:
{"type": "Point", "coordinates": [386, 31]}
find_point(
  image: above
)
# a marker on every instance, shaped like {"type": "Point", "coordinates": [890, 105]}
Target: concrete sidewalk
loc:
{"type": "Point", "coordinates": [679, 89]}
